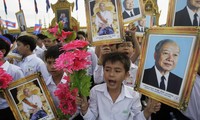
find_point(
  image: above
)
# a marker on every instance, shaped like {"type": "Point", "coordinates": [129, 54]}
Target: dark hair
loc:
{"type": "Point", "coordinates": [27, 40]}
{"type": "Point", "coordinates": [160, 44]}
{"type": "Point", "coordinates": [81, 33]}
{"type": "Point", "coordinates": [41, 36]}
{"type": "Point", "coordinates": [11, 37]}
{"type": "Point", "coordinates": [127, 39]}
{"type": "Point", "coordinates": [53, 52]}
{"type": "Point", "coordinates": [117, 56]}
{"type": "Point", "coordinates": [4, 45]}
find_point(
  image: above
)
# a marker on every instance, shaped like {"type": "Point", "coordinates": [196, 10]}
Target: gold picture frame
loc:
{"type": "Point", "coordinates": [177, 91]}
{"type": "Point", "coordinates": [19, 94]}
{"type": "Point", "coordinates": [113, 32]}
{"type": "Point", "coordinates": [21, 21]}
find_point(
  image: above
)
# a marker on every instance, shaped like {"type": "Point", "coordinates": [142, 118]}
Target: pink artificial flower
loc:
{"type": "Point", "coordinates": [53, 30]}
{"type": "Point", "coordinates": [75, 44]}
{"type": "Point", "coordinates": [64, 35]}
{"type": "Point", "coordinates": [5, 79]}
{"type": "Point", "coordinates": [65, 62]}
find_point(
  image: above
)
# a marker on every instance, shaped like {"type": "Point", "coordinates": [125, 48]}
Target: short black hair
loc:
{"type": "Point", "coordinates": [10, 37]}
{"type": "Point", "coordinates": [126, 39]}
{"type": "Point", "coordinates": [53, 52]}
{"type": "Point", "coordinates": [27, 40]}
{"type": "Point", "coordinates": [117, 56]}
{"type": "Point", "coordinates": [81, 33]}
{"type": "Point", "coordinates": [41, 36]}
{"type": "Point", "coordinates": [4, 45]}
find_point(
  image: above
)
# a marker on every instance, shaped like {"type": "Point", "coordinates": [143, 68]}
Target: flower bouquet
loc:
{"type": "Point", "coordinates": [5, 78]}
{"type": "Point", "coordinates": [74, 62]}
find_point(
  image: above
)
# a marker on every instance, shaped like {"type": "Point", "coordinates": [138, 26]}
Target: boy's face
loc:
{"type": "Point", "coordinates": [114, 74]}
{"type": "Point", "coordinates": [48, 43]}
{"type": "Point", "coordinates": [21, 48]}
{"type": "Point", "coordinates": [50, 67]}
{"type": "Point", "coordinates": [126, 47]}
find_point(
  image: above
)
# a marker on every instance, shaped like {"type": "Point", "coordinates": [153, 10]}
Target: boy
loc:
{"type": "Point", "coordinates": [56, 77]}
{"type": "Point", "coordinates": [124, 47]}
{"type": "Point", "coordinates": [14, 71]}
{"type": "Point", "coordinates": [30, 62]}
{"type": "Point", "coordinates": [113, 99]}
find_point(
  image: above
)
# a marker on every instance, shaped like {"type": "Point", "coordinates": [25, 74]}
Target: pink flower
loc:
{"type": "Point", "coordinates": [64, 35]}
{"type": "Point", "coordinates": [5, 79]}
{"type": "Point", "coordinates": [76, 44]}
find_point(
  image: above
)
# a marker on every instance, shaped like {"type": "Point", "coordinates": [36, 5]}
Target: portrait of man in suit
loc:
{"type": "Point", "coordinates": [141, 27]}
{"type": "Point", "coordinates": [160, 76]}
{"type": "Point", "coordinates": [21, 23]}
{"type": "Point", "coordinates": [189, 15]}
{"type": "Point", "coordinates": [129, 10]}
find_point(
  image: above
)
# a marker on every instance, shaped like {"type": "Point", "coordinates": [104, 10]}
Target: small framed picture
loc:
{"type": "Point", "coordinates": [29, 99]}
{"type": "Point", "coordinates": [21, 20]}
{"type": "Point", "coordinates": [169, 64]}
{"type": "Point", "coordinates": [183, 13]}
{"type": "Point", "coordinates": [132, 10]}
{"type": "Point", "coordinates": [63, 15]}
{"type": "Point", "coordinates": [104, 21]}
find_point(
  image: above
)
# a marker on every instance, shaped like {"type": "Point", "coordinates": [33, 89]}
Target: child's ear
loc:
{"type": "Point", "coordinates": [3, 51]}
{"type": "Point", "coordinates": [28, 46]}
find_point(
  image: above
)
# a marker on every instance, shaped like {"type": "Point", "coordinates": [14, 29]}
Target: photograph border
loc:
{"type": "Point", "coordinates": [179, 101]}
{"type": "Point", "coordinates": [134, 18]}
{"type": "Point", "coordinates": [23, 81]}
{"type": "Point", "coordinates": [69, 16]}
{"type": "Point", "coordinates": [16, 14]}
{"type": "Point", "coordinates": [104, 39]}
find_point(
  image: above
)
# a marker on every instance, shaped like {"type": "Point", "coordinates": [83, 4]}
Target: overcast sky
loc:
{"type": "Point", "coordinates": [32, 18]}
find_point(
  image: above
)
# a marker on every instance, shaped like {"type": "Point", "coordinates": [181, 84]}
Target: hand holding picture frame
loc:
{"type": "Point", "coordinates": [29, 98]}
{"type": "Point", "coordinates": [168, 66]}
{"type": "Point", "coordinates": [104, 21]}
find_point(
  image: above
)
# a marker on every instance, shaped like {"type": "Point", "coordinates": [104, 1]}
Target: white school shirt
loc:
{"type": "Point", "coordinates": [126, 107]}
{"type": "Point", "coordinates": [52, 87]}
{"type": "Point", "coordinates": [32, 64]}
{"type": "Point", "coordinates": [193, 109]}
{"type": "Point", "coordinates": [39, 52]}
{"type": "Point", "coordinates": [99, 78]}
{"type": "Point", "coordinates": [16, 73]}
{"type": "Point", "coordinates": [93, 59]}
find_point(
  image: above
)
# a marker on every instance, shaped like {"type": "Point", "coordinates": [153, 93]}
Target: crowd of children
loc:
{"type": "Point", "coordinates": [113, 71]}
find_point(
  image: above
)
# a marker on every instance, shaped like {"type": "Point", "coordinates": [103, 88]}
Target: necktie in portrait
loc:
{"type": "Point", "coordinates": [131, 13]}
{"type": "Point", "coordinates": [162, 83]}
{"type": "Point", "coordinates": [195, 21]}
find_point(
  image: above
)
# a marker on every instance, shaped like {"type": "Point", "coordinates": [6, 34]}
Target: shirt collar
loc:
{"type": "Point", "coordinates": [124, 91]}
{"type": "Point", "coordinates": [28, 58]}
{"type": "Point", "coordinates": [128, 11]}
{"type": "Point", "coordinates": [191, 14]}
{"type": "Point", "coordinates": [50, 80]}
{"type": "Point", "coordinates": [5, 66]}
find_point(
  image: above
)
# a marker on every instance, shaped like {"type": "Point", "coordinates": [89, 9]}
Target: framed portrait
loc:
{"type": "Point", "coordinates": [179, 14]}
{"type": "Point", "coordinates": [169, 65]}
{"type": "Point", "coordinates": [104, 21]}
{"type": "Point", "coordinates": [29, 98]}
{"type": "Point", "coordinates": [64, 16]}
{"type": "Point", "coordinates": [132, 10]}
{"type": "Point", "coordinates": [21, 20]}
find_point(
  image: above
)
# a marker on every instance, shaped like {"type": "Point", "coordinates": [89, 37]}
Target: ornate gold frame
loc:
{"type": "Point", "coordinates": [14, 96]}
{"type": "Point", "coordinates": [189, 35]}
{"type": "Point", "coordinates": [117, 23]}
{"type": "Point", "coordinates": [64, 5]}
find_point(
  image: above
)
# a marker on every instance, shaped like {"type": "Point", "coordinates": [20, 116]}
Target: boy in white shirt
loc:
{"type": "Point", "coordinates": [30, 63]}
{"type": "Point", "coordinates": [113, 100]}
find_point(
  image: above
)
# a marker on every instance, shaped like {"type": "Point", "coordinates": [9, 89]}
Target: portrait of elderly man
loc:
{"type": "Point", "coordinates": [160, 76]}
{"type": "Point", "coordinates": [189, 15]}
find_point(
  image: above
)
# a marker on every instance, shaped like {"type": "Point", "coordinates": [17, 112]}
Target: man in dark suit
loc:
{"type": "Point", "coordinates": [141, 27]}
{"type": "Point", "coordinates": [189, 16]}
{"type": "Point", "coordinates": [129, 11]}
{"type": "Point", "coordinates": [166, 57]}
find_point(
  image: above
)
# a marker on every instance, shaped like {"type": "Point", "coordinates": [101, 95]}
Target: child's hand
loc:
{"type": "Point", "coordinates": [153, 106]}
{"type": "Point", "coordinates": [82, 102]}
